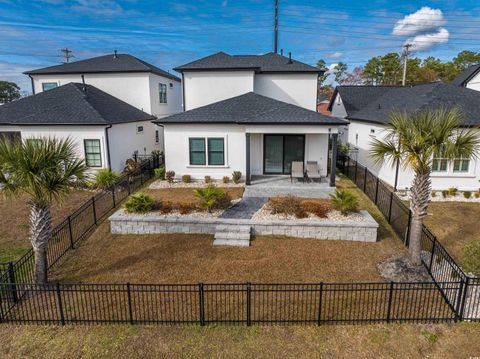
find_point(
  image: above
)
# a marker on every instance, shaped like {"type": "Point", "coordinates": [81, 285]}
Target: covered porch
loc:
{"type": "Point", "coordinates": [271, 150]}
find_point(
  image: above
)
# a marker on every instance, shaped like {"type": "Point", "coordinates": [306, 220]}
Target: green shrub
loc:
{"type": "Point", "coordinates": [445, 193]}
{"type": "Point", "coordinates": [452, 191]}
{"type": "Point", "coordinates": [186, 178]}
{"type": "Point", "coordinates": [139, 203]}
{"type": "Point", "coordinates": [236, 175]}
{"type": "Point", "coordinates": [209, 196]}
{"type": "Point", "coordinates": [344, 201]}
{"type": "Point", "coordinates": [467, 194]}
{"type": "Point", "coordinates": [105, 178]}
{"type": "Point", "coordinates": [226, 179]}
{"type": "Point", "coordinates": [208, 179]}
{"type": "Point", "coordinates": [434, 194]}
{"type": "Point", "coordinates": [160, 172]}
{"type": "Point", "coordinates": [170, 176]}
{"type": "Point", "coordinates": [287, 205]}
{"type": "Point", "coordinates": [471, 258]}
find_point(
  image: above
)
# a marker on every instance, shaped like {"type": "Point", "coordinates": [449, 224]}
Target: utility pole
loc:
{"type": "Point", "coordinates": [66, 54]}
{"type": "Point", "coordinates": [275, 29]}
{"type": "Point", "coordinates": [406, 47]}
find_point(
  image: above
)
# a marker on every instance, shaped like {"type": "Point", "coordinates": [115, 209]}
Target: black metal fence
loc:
{"type": "Point", "coordinates": [79, 224]}
{"type": "Point", "coordinates": [441, 266]}
{"type": "Point", "coordinates": [321, 303]}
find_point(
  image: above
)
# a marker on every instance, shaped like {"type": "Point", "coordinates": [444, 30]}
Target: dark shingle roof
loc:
{"type": "Point", "coordinates": [355, 98]}
{"type": "Point", "coordinates": [252, 108]}
{"type": "Point", "coordinates": [467, 74]}
{"type": "Point", "coordinates": [104, 64]}
{"type": "Point", "coordinates": [428, 96]}
{"type": "Point", "coordinates": [70, 105]}
{"type": "Point", "coordinates": [270, 62]}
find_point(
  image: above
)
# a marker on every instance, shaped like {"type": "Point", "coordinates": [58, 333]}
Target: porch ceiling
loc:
{"type": "Point", "coordinates": [291, 129]}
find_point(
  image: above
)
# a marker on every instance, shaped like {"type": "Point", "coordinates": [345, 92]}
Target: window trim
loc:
{"type": "Point", "coordinates": [86, 154]}
{"type": "Point", "coordinates": [207, 162]}
{"type": "Point", "coordinates": [190, 151]}
{"type": "Point", "coordinates": [162, 90]}
{"type": "Point", "coordinates": [215, 151]}
{"type": "Point", "coordinates": [49, 83]}
{"type": "Point", "coordinates": [461, 160]}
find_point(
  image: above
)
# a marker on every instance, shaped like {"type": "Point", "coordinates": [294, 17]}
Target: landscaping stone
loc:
{"type": "Point", "coordinates": [245, 209]}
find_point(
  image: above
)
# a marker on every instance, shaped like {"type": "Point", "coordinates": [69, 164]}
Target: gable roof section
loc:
{"type": "Point", "coordinates": [267, 63]}
{"type": "Point", "coordinates": [104, 64]}
{"type": "Point", "coordinates": [421, 97]}
{"type": "Point", "coordinates": [251, 108]}
{"type": "Point", "coordinates": [465, 76]}
{"type": "Point", "coordinates": [355, 98]}
{"type": "Point", "coordinates": [70, 105]}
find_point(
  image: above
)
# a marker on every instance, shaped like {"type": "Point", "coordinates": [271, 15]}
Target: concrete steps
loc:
{"type": "Point", "coordinates": [232, 235]}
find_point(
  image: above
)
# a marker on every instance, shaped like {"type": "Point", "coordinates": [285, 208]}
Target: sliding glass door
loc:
{"type": "Point", "coordinates": [280, 151]}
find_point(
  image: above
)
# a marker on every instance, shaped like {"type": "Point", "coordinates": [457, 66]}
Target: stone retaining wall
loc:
{"type": "Point", "coordinates": [152, 223]}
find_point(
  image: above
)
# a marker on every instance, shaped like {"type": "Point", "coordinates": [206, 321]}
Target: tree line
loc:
{"type": "Point", "coordinates": [387, 70]}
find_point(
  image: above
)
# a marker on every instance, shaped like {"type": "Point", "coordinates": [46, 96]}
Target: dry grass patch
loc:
{"type": "Point", "coordinates": [185, 195]}
{"type": "Point", "coordinates": [191, 258]}
{"type": "Point", "coordinates": [14, 221]}
{"type": "Point", "coordinates": [460, 340]}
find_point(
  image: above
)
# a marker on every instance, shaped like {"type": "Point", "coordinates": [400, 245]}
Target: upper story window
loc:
{"type": "Point", "coordinates": [162, 93]}
{"type": "Point", "coordinates": [93, 155]}
{"type": "Point", "coordinates": [48, 85]}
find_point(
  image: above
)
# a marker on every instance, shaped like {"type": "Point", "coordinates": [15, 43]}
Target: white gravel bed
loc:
{"type": "Point", "coordinates": [439, 198]}
{"type": "Point", "coordinates": [159, 184]}
{"type": "Point", "coordinates": [263, 214]}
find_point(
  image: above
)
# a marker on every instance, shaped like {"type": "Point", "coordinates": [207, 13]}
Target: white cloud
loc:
{"type": "Point", "coordinates": [426, 41]}
{"type": "Point", "coordinates": [423, 20]}
{"type": "Point", "coordinates": [334, 55]}
{"type": "Point", "coordinates": [331, 67]}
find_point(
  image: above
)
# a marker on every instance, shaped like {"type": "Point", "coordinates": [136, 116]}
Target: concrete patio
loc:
{"type": "Point", "coordinates": [268, 186]}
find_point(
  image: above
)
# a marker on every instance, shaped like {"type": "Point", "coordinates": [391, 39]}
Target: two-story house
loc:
{"type": "Point", "coordinates": [250, 113]}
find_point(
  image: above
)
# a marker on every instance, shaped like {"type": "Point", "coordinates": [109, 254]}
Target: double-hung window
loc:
{"type": "Point", "coordinates": [93, 154]}
{"type": "Point", "coordinates": [461, 165]}
{"type": "Point", "coordinates": [207, 151]}
{"type": "Point", "coordinates": [48, 85]}
{"type": "Point", "coordinates": [439, 163]}
{"type": "Point", "coordinates": [162, 93]}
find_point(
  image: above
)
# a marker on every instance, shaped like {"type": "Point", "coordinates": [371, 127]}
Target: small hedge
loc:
{"type": "Point", "coordinates": [212, 197]}
{"type": "Point", "coordinates": [286, 205]}
{"type": "Point", "coordinates": [186, 178]}
{"type": "Point", "coordinates": [105, 178]}
{"type": "Point", "coordinates": [170, 176]}
{"type": "Point", "coordinates": [160, 172]}
{"type": "Point", "coordinates": [139, 203]}
{"type": "Point", "coordinates": [236, 176]}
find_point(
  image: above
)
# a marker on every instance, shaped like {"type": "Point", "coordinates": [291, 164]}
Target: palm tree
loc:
{"type": "Point", "coordinates": [45, 169]}
{"type": "Point", "coordinates": [414, 140]}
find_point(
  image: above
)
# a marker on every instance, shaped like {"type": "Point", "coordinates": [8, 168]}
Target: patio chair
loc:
{"type": "Point", "coordinates": [297, 171]}
{"type": "Point", "coordinates": [313, 170]}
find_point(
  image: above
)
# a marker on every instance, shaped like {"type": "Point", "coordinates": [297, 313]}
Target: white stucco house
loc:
{"type": "Point", "coordinates": [134, 81]}
{"type": "Point", "coordinates": [250, 113]}
{"type": "Point", "coordinates": [106, 130]}
{"type": "Point", "coordinates": [367, 109]}
{"type": "Point", "coordinates": [470, 78]}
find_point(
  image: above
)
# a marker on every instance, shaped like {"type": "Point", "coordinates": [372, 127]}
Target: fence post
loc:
{"type": "Point", "coordinates": [432, 254]}
{"type": "Point", "coordinates": [249, 304]}
{"type": "Point", "coordinates": [60, 305]}
{"type": "Point", "coordinates": [113, 196]}
{"type": "Point", "coordinates": [320, 305]}
{"type": "Point", "coordinates": [390, 298]}
{"type": "Point", "coordinates": [13, 286]}
{"type": "Point", "coordinates": [390, 208]}
{"type": "Point", "coordinates": [356, 171]}
{"type": "Point", "coordinates": [70, 232]}
{"type": "Point", "coordinates": [376, 191]}
{"type": "Point", "coordinates": [464, 298]}
{"type": "Point", "coordinates": [365, 181]}
{"type": "Point", "coordinates": [202, 304]}
{"type": "Point", "coordinates": [348, 167]}
{"type": "Point", "coordinates": [409, 224]}
{"type": "Point", "coordinates": [129, 296]}
{"type": "Point", "coordinates": [94, 210]}
{"type": "Point", "coordinates": [459, 300]}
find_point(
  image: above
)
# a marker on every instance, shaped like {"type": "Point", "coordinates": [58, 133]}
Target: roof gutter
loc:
{"type": "Point", "coordinates": [108, 146]}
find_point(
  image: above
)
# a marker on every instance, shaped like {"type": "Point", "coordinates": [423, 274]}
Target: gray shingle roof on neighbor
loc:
{"type": "Point", "coordinates": [270, 62]}
{"type": "Point", "coordinates": [70, 105]}
{"type": "Point", "coordinates": [251, 108]}
{"type": "Point", "coordinates": [414, 98]}
{"type": "Point", "coordinates": [104, 64]}
{"type": "Point", "coordinates": [467, 74]}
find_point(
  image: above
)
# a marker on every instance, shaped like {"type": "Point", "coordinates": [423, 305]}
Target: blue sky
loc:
{"type": "Point", "coordinates": [170, 33]}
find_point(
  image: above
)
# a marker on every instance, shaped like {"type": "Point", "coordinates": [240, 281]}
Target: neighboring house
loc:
{"type": "Point", "coordinates": [367, 108]}
{"type": "Point", "coordinates": [255, 114]}
{"type": "Point", "coordinates": [124, 76]}
{"type": "Point", "coordinates": [470, 78]}
{"type": "Point", "coordinates": [98, 123]}
{"type": "Point", "coordinates": [323, 104]}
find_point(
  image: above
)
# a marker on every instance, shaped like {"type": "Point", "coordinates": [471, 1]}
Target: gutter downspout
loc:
{"type": "Point", "coordinates": [33, 86]}
{"type": "Point", "coordinates": [183, 92]}
{"type": "Point", "coordinates": [108, 146]}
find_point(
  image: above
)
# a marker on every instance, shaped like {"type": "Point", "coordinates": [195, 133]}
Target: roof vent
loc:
{"type": "Point", "coordinates": [115, 54]}
{"type": "Point", "coordinates": [379, 107]}
{"type": "Point", "coordinates": [290, 58]}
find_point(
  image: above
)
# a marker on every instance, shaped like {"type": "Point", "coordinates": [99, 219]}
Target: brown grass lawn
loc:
{"type": "Point", "coordinates": [460, 340]}
{"type": "Point", "coordinates": [456, 224]}
{"type": "Point", "coordinates": [185, 195]}
{"type": "Point", "coordinates": [14, 222]}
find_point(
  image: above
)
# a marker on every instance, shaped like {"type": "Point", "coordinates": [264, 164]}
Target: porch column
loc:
{"type": "Point", "coordinates": [333, 165]}
{"type": "Point", "coordinates": [247, 154]}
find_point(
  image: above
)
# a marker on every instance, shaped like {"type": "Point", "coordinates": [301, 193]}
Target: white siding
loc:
{"type": "Point", "coordinates": [174, 96]}
{"type": "Point", "coordinates": [203, 88]}
{"type": "Point", "coordinates": [474, 83]}
{"type": "Point", "coordinates": [177, 149]}
{"type": "Point", "coordinates": [338, 108]}
{"type": "Point", "coordinates": [296, 89]}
